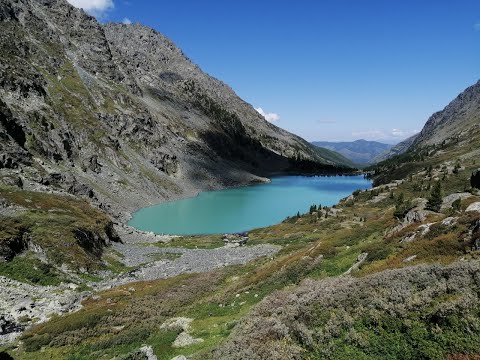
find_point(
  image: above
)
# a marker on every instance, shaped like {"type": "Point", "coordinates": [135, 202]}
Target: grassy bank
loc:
{"type": "Point", "coordinates": [320, 245]}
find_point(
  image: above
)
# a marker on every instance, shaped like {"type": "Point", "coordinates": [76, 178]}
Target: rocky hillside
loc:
{"type": "Point", "coordinates": [398, 149]}
{"type": "Point", "coordinates": [448, 139]}
{"type": "Point", "coordinates": [87, 111]}
{"type": "Point", "coordinates": [372, 277]}
{"type": "Point", "coordinates": [456, 122]}
{"type": "Point", "coordinates": [118, 114]}
{"type": "Point", "coordinates": [427, 200]}
{"type": "Point", "coordinates": [360, 152]}
{"type": "Point", "coordinates": [365, 318]}
{"type": "Point", "coordinates": [389, 272]}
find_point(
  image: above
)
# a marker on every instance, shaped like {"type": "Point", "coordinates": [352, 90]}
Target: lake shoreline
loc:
{"type": "Point", "coordinates": [336, 188]}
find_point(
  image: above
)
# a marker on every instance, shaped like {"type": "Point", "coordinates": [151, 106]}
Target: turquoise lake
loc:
{"type": "Point", "coordinates": [246, 208]}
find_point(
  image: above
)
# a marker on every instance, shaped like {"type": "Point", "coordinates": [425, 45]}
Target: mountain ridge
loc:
{"type": "Point", "coordinates": [360, 151]}
{"type": "Point", "coordinates": [446, 126]}
{"type": "Point", "coordinates": [395, 150]}
{"type": "Point", "coordinates": [100, 110]}
{"type": "Point", "coordinates": [93, 125]}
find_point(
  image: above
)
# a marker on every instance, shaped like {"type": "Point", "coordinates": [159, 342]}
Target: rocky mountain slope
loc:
{"type": "Point", "coordinates": [95, 122]}
{"type": "Point", "coordinates": [398, 149]}
{"type": "Point", "coordinates": [387, 272]}
{"type": "Point", "coordinates": [456, 120]}
{"type": "Point", "coordinates": [118, 114]}
{"type": "Point", "coordinates": [372, 277]}
{"type": "Point", "coordinates": [452, 135]}
{"type": "Point", "coordinates": [390, 272]}
{"type": "Point", "coordinates": [444, 127]}
{"type": "Point", "coordinates": [424, 211]}
{"type": "Point", "coordinates": [361, 151]}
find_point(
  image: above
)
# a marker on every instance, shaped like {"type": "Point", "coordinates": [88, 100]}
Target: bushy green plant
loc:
{"type": "Point", "coordinates": [456, 205]}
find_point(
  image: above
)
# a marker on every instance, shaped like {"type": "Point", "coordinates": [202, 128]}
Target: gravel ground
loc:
{"type": "Point", "coordinates": [188, 261]}
{"type": "Point", "coordinates": [138, 250]}
{"type": "Point", "coordinates": [130, 235]}
{"type": "Point", "coordinates": [19, 300]}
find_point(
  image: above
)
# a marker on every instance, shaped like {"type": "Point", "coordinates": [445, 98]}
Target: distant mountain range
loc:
{"type": "Point", "coordinates": [395, 150]}
{"type": "Point", "coordinates": [361, 152]}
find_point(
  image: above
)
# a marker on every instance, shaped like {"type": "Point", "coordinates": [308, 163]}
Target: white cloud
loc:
{"type": "Point", "coordinates": [94, 7]}
{"type": "Point", "coordinates": [394, 134]}
{"type": "Point", "coordinates": [399, 133]}
{"type": "Point", "coordinates": [126, 21]}
{"type": "Point", "coordinates": [476, 26]}
{"type": "Point", "coordinates": [270, 117]}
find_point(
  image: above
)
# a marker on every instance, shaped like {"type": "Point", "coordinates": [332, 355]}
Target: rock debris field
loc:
{"type": "Point", "coordinates": [138, 251]}
{"type": "Point", "coordinates": [175, 261]}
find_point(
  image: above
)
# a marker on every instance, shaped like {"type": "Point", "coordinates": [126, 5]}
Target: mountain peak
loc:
{"type": "Point", "coordinates": [121, 107]}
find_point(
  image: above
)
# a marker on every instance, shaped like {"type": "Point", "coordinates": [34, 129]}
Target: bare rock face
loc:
{"type": "Point", "coordinates": [474, 207]}
{"type": "Point", "coordinates": [451, 126]}
{"type": "Point", "coordinates": [398, 149]}
{"type": "Point", "coordinates": [414, 216]}
{"type": "Point", "coordinates": [449, 199]}
{"type": "Point", "coordinates": [94, 165]}
{"type": "Point", "coordinates": [14, 244]}
{"type": "Point", "coordinates": [122, 114]}
{"type": "Point", "coordinates": [177, 324]}
{"type": "Point", "coordinates": [473, 235]}
{"type": "Point", "coordinates": [184, 339]}
{"type": "Point", "coordinates": [458, 116]}
{"type": "Point", "coordinates": [144, 353]}
{"type": "Point", "coordinates": [12, 180]}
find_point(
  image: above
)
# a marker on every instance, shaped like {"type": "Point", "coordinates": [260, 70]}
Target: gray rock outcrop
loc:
{"type": "Point", "coordinates": [121, 116]}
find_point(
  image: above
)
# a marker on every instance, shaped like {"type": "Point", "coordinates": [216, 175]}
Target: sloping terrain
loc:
{"type": "Point", "coordinates": [119, 115]}
{"type": "Point", "coordinates": [390, 272]}
{"type": "Point", "coordinates": [95, 122]}
{"type": "Point", "coordinates": [361, 152]}
{"type": "Point", "coordinates": [429, 311]}
{"type": "Point", "coordinates": [395, 150]}
{"type": "Point", "coordinates": [445, 127]}
{"type": "Point", "coordinates": [355, 305]}
{"type": "Point", "coordinates": [449, 138]}
{"type": "Point", "coordinates": [366, 318]}
{"type": "Point", "coordinates": [456, 120]}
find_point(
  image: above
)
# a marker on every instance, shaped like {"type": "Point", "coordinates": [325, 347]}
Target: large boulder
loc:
{"type": "Point", "coordinates": [473, 207]}
{"type": "Point", "coordinates": [449, 199]}
{"type": "Point", "coordinates": [475, 179]}
{"type": "Point", "coordinates": [415, 216]}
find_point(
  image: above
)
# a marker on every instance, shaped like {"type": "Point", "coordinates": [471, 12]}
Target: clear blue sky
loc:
{"type": "Point", "coordinates": [331, 69]}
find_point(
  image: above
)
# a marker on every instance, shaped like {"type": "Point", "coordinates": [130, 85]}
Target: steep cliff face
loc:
{"type": "Point", "coordinates": [118, 114]}
{"type": "Point", "coordinates": [160, 69]}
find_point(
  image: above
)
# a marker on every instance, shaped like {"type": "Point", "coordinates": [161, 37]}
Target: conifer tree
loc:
{"type": "Point", "coordinates": [435, 199]}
